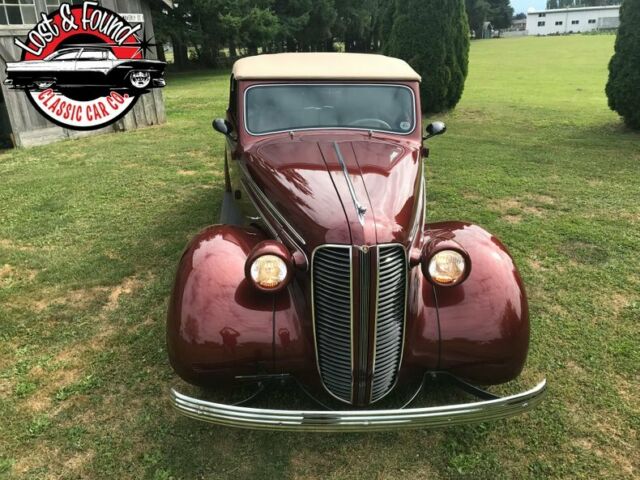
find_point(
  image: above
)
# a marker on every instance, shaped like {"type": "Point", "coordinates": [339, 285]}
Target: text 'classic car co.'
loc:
{"type": "Point", "coordinates": [27, 116]}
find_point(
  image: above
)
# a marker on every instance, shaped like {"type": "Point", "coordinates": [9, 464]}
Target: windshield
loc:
{"type": "Point", "coordinates": [274, 108]}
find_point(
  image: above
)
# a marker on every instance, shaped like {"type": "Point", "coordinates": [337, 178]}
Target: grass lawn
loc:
{"type": "Point", "coordinates": [91, 231]}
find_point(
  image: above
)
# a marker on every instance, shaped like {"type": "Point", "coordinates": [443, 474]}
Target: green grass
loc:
{"type": "Point", "coordinates": [91, 231]}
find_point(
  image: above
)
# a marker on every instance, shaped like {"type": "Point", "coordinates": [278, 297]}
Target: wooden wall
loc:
{"type": "Point", "coordinates": [28, 128]}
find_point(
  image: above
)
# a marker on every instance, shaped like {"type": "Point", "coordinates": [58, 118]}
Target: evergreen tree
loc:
{"type": "Point", "coordinates": [478, 12]}
{"type": "Point", "coordinates": [318, 33]}
{"type": "Point", "coordinates": [500, 13]}
{"type": "Point", "coordinates": [433, 37]}
{"type": "Point", "coordinates": [354, 21]}
{"type": "Point", "coordinates": [623, 88]}
{"type": "Point", "coordinates": [293, 16]}
{"type": "Point", "coordinates": [386, 23]}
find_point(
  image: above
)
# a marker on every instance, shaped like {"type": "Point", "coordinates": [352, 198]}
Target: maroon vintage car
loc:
{"type": "Point", "coordinates": [323, 269]}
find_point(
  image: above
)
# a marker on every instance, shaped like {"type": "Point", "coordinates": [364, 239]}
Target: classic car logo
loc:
{"type": "Point", "coordinates": [83, 66]}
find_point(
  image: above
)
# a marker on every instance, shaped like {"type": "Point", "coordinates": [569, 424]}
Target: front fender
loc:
{"type": "Point", "coordinates": [218, 325]}
{"type": "Point", "coordinates": [484, 322]}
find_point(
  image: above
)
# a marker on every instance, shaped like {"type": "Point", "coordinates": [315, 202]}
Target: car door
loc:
{"type": "Point", "coordinates": [92, 66]}
{"type": "Point", "coordinates": [63, 61]}
{"type": "Point", "coordinates": [60, 67]}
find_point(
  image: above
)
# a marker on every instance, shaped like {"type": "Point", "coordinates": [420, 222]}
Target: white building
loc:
{"type": "Point", "coordinates": [572, 20]}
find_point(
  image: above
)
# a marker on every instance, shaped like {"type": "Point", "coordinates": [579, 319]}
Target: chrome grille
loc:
{"type": "Point", "coordinates": [331, 272]}
{"type": "Point", "coordinates": [335, 320]}
{"type": "Point", "coordinates": [390, 314]}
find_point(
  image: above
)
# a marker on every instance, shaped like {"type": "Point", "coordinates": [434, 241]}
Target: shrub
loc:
{"type": "Point", "coordinates": [623, 88]}
{"type": "Point", "coordinates": [433, 37]}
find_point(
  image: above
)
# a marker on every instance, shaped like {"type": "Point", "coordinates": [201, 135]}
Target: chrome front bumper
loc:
{"type": "Point", "coordinates": [358, 420]}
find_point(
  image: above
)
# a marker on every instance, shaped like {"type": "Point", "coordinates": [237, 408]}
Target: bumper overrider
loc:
{"type": "Point", "coordinates": [358, 420]}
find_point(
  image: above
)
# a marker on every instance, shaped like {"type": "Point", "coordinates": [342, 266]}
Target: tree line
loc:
{"type": "Point", "coordinates": [210, 32]}
{"type": "Point", "coordinates": [431, 35]}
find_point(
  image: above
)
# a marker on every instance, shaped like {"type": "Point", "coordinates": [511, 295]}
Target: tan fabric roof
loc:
{"type": "Point", "coordinates": [323, 66]}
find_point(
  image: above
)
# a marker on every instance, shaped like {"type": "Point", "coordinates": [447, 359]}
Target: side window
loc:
{"type": "Point", "coordinates": [91, 55]}
{"type": "Point", "coordinates": [67, 55]}
{"type": "Point", "coordinates": [233, 96]}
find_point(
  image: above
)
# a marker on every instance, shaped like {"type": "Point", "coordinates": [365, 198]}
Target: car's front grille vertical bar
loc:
{"type": "Point", "coordinates": [389, 318]}
{"type": "Point", "coordinates": [363, 323]}
{"type": "Point", "coordinates": [331, 271]}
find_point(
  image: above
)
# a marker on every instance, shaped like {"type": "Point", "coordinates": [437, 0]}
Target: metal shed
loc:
{"type": "Point", "coordinates": [20, 124]}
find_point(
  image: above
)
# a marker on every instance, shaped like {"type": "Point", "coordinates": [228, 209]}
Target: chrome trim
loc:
{"type": "Point", "coordinates": [364, 298]}
{"type": "Point", "coordinates": [360, 209]}
{"type": "Point", "coordinates": [272, 209]}
{"type": "Point", "coordinates": [271, 228]}
{"type": "Point", "coordinates": [375, 325]}
{"type": "Point", "coordinates": [313, 315]}
{"type": "Point", "coordinates": [404, 318]}
{"type": "Point", "coordinates": [289, 130]}
{"type": "Point", "coordinates": [357, 420]}
{"type": "Point", "coordinates": [419, 222]}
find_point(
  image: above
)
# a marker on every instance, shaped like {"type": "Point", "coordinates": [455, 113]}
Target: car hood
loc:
{"type": "Point", "coordinates": [317, 182]}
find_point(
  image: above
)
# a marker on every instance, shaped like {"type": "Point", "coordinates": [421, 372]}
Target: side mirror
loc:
{"type": "Point", "coordinates": [222, 126]}
{"type": "Point", "coordinates": [435, 128]}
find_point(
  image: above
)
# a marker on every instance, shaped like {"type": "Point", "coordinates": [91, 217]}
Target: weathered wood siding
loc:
{"type": "Point", "coordinates": [29, 128]}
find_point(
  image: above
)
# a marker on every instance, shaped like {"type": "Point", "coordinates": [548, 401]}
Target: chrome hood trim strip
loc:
{"type": "Point", "coordinates": [357, 420]}
{"type": "Point", "coordinates": [360, 209]}
{"type": "Point", "coordinates": [275, 213]}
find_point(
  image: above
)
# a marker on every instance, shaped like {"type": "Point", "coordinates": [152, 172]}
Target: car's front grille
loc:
{"type": "Point", "coordinates": [381, 281]}
{"type": "Point", "coordinates": [392, 273]}
{"type": "Point", "coordinates": [331, 273]}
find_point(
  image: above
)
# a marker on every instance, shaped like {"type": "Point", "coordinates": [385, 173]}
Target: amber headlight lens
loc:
{"type": "Point", "coordinates": [268, 271]}
{"type": "Point", "coordinates": [447, 267]}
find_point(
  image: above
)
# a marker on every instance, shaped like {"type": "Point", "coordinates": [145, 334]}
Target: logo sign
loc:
{"type": "Point", "coordinates": [83, 66]}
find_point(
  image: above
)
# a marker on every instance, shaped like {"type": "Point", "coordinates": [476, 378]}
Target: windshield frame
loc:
{"type": "Point", "coordinates": [330, 84]}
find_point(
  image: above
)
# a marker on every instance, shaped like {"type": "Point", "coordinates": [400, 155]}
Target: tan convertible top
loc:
{"type": "Point", "coordinates": [323, 66]}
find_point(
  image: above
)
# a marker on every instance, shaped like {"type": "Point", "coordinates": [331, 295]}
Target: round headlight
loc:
{"type": "Point", "coordinates": [447, 268]}
{"type": "Point", "coordinates": [268, 271]}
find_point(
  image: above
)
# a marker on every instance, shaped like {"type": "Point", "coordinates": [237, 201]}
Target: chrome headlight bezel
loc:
{"type": "Point", "coordinates": [437, 250]}
{"type": "Point", "coordinates": [278, 257]}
